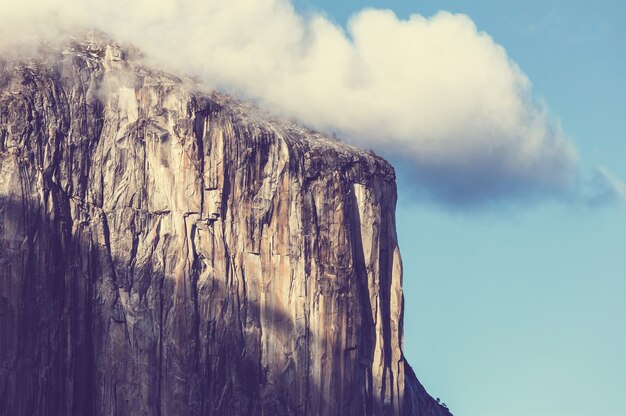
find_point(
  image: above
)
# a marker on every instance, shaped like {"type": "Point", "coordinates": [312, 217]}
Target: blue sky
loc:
{"type": "Point", "coordinates": [520, 310]}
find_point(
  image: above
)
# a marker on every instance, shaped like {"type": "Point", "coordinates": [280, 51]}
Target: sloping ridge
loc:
{"type": "Point", "coordinates": [169, 251]}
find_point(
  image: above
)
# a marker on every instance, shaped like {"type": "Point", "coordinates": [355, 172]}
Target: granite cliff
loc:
{"type": "Point", "coordinates": [167, 250]}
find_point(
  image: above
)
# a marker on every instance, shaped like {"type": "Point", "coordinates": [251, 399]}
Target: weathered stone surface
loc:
{"type": "Point", "coordinates": [169, 251]}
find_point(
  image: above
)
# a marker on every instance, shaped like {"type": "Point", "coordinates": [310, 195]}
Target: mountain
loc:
{"type": "Point", "coordinates": [168, 250]}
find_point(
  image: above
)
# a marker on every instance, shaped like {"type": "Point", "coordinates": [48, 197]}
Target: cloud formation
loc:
{"type": "Point", "coordinates": [436, 94]}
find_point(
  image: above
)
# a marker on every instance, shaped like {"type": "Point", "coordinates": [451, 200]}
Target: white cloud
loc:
{"type": "Point", "coordinates": [435, 92]}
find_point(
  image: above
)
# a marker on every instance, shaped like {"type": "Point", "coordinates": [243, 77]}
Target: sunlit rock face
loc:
{"type": "Point", "coordinates": [171, 251]}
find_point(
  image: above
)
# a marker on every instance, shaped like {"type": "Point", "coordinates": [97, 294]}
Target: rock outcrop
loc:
{"type": "Point", "coordinates": [171, 251]}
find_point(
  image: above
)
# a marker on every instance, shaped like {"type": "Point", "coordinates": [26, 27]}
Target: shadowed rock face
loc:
{"type": "Point", "coordinates": [168, 251]}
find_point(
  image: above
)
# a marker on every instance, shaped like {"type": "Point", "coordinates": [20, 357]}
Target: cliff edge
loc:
{"type": "Point", "coordinates": [171, 251]}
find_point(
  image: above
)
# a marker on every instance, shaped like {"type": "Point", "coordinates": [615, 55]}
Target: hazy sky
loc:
{"type": "Point", "coordinates": [520, 310]}
{"type": "Point", "coordinates": [507, 126]}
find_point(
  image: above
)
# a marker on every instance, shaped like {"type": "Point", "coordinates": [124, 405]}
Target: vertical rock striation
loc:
{"type": "Point", "coordinates": [168, 251]}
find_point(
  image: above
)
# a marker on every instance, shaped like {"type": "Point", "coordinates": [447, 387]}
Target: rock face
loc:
{"type": "Point", "coordinates": [169, 251]}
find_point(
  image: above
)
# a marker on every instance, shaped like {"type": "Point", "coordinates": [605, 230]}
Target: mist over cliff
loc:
{"type": "Point", "coordinates": [167, 249]}
{"type": "Point", "coordinates": [435, 91]}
